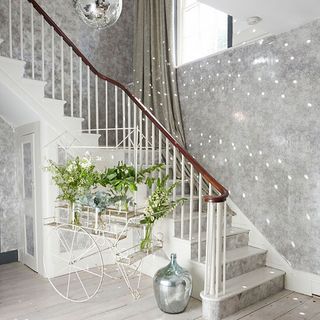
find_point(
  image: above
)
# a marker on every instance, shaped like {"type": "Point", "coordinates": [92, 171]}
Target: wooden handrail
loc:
{"type": "Point", "coordinates": [217, 186]}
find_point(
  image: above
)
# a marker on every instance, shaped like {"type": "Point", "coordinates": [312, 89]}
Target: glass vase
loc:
{"type": "Point", "coordinates": [172, 287]}
{"type": "Point", "coordinates": [146, 242]}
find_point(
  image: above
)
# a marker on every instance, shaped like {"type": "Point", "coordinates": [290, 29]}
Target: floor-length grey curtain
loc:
{"type": "Point", "coordinates": [155, 81]}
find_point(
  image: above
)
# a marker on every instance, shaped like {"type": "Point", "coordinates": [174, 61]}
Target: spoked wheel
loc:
{"type": "Point", "coordinates": [74, 263]}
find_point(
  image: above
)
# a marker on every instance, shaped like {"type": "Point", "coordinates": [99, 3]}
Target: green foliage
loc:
{"type": "Point", "coordinates": [159, 205]}
{"type": "Point", "coordinates": [124, 178]}
{"type": "Point", "coordinates": [73, 179]}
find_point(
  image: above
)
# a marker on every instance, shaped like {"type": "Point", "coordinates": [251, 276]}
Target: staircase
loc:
{"type": "Point", "coordinates": [95, 113]}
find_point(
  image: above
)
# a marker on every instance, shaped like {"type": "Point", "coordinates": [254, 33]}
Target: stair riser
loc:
{"type": "Point", "coordinates": [186, 226]}
{"type": "Point", "coordinates": [195, 224]}
{"type": "Point", "coordinates": [233, 242]}
{"type": "Point", "coordinates": [15, 68]}
{"type": "Point", "coordinates": [37, 88]}
{"type": "Point", "coordinates": [237, 267]}
{"type": "Point", "coordinates": [217, 310]}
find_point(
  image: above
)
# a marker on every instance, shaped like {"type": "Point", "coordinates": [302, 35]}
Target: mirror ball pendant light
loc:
{"type": "Point", "coordinates": [99, 14]}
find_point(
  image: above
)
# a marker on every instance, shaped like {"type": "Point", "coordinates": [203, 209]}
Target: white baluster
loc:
{"type": "Point", "coordinates": [80, 88]}
{"type": "Point", "coordinates": [160, 151]}
{"type": "Point", "coordinates": [124, 119]}
{"type": "Point", "coordinates": [182, 193]}
{"type": "Point", "coordinates": [147, 140]}
{"type": "Point", "coordinates": [32, 42]}
{"type": "Point", "coordinates": [191, 202]}
{"type": "Point", "coordinates": [210, 252]}
{"type": "Point", "coordinates": [135, 150]}
{"type": "Point", "coordinates": [71, 82]}
{"type": "Point", "coordinates": [62, 67]}
{"type": "Point", "coordinates": [52, 63]}
{"type": "Point", "coordinates": [97, 104]}
{"type": "Point", "coordinates": [224, 259]}
{"type": "Point", "coordinates": [42, 48]}
{"type": "Point", "coordinates": [107, 113]}
{"type": "Point", "coordinates": [116, 114]}
{"type": "Point", "coordinates": [129, 130]}
{"type": "Point", "coordinates": [218, 250]}
{"type": "Point", "coordinates": [89, 99]}
{"type": "Point", "coordinates": [199, 216]}
{"type": "Point", "coordinates": [167, 157]}
{"type": "Point", "coordinates": [21, 31]}
{"type": "Point", "coordinates": [140, 137]}
{"type": "Point", "coordinates": [153, 144]}
{"type": "Point", "coordinates": [10, 28]}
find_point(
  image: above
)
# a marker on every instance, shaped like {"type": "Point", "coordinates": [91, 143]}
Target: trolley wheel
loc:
{"type": "Point", "coordinates": [74, 263]}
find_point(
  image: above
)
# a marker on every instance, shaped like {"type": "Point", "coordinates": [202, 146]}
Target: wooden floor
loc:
{"type": "Point", "coordinates": [286, 305]}
{"type": "Point", "coordinates": [24, 295]}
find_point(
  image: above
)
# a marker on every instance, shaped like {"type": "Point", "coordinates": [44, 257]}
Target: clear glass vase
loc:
{"type": "Point", "coordinates": [172, 287]}
{"type": "Point", "coordinates": [146, 242]}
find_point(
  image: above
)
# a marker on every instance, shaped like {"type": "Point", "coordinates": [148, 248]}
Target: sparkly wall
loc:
{"type": "Point", "coordinates": [251, 115]}
{"type": "Point", "coordinates": [9, 200]}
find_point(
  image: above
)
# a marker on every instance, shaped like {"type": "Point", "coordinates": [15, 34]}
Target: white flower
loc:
{"type": "Point", "coordinates": [85, 163]}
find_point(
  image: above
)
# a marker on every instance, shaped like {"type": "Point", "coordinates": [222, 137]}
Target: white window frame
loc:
{"type": "Point", "coordinates": [179, 33]}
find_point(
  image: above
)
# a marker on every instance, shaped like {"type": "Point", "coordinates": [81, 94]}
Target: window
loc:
{"type": "Point", "coordinates": [202, 30]}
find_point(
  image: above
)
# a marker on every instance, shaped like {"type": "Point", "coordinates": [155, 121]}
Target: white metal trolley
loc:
{"type": "Point", "coordinates": [105, 245]}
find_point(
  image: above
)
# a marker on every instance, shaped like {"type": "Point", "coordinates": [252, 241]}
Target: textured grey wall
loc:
{"type": "Point", "coordinates": [252, 117]}
{"type": "Point", "coordinates": [9, 199]}
{"type": "Point", "coordinates": [110, 51]}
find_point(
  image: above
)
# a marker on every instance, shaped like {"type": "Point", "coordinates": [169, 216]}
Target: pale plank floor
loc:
{"type": "Point", "coordinates": [24, 295]}
{"type": "Point", "coordinates": [286, 305]}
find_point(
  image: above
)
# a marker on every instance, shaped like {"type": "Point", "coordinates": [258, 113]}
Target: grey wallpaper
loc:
{"type": "Point", "coordinates": [9, 199]}
{"type": "Point", "coordinates": [110, 51]}
{"type": "Point", "coordinates": [252, 116]}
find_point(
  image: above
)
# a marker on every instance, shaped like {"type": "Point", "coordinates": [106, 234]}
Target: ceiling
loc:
{"type": "Point", "coordinates": [278, 15]}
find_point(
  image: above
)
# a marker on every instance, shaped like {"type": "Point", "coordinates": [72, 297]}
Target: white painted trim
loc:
{"type": "Point", "coordinates": [299, 281]}
{"type": "Point", "coordinates": [20, 132]}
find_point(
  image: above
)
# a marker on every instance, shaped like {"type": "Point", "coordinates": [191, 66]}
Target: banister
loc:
{"type": "Point", "coordinates": [217, 186]}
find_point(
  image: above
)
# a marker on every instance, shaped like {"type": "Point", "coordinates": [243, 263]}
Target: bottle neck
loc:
{"type": "Point", "coordinates": [173, 258]}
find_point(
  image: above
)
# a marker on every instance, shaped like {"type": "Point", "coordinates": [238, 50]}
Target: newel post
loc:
{"type": "Point", "coordinates": [215, 265]}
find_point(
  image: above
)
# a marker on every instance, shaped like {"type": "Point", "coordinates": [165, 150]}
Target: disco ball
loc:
{"type": "Point", "coordinates": [99, 14]}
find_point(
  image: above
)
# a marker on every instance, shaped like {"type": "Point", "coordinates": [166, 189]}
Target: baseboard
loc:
{"type": "Point", "coordinates": [8, 257]}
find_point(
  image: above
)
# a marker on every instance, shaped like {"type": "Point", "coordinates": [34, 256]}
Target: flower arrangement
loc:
{"type": "Point", "coordinates": [74, 179]}
{"type": "Point", "coordinates": [123, 179]}
{"type": "Point", "coordinates": [159, 205]}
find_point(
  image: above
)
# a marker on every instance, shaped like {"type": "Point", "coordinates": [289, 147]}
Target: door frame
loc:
{"type": "Point", "coordinates": [20, 133]}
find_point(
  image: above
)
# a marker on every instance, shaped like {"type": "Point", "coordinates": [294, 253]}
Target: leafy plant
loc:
{"type": "Point", "coordinates": [124, 178]}
{"type": "Point", "coordinates": [160, 203]}
{"type": "Point", "coordinates": [74, 179]}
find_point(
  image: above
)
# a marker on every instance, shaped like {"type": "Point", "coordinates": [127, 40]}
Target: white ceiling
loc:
{"type": "Point", "coordinates": [278, 15]}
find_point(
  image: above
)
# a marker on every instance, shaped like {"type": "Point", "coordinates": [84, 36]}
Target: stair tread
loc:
{"type": "Point", "coordinates": [12, 60]}
{"type": "Point", "coordinates": [243, 252]}
{"type": "Point", "coordinates": [35, 81]}
{"type": "Point", "coordinates": [233, 231]}
{"type": "Point", "coordinates": [251, 280]}
{"type": "Point", "coordinates": [240, 253]}
{"type": "Point", "coordinates": [51, 100]}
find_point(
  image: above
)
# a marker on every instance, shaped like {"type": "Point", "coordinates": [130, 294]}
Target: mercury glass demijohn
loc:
{"type": "Point", "coordinates": [99, 14]}
{"type": "Point", "coordinates": [172, 287]}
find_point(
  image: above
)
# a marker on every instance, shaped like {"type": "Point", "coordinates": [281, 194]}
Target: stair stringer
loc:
{"type": "Point", "coordinates": [295, 280]}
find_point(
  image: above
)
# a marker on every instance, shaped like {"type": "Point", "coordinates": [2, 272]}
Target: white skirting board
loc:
{"type": "Point", "coordinates": [295, 280]}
